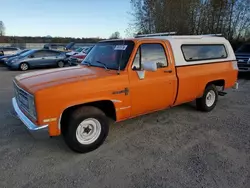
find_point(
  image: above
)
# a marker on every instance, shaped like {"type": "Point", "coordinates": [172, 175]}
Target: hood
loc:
{"type": "Point", "coordinates": [79, 56]}
{"type": "Point", "coordinates": [69, 45]}
{"type": "Point", "coordinates": [7, 56]}
{"type": "Point", "coordinates": [12, 58]}
{"type": "Point", "coordinates": [37, 80]}
{"type": "Point", "coordinates": [242, 54]}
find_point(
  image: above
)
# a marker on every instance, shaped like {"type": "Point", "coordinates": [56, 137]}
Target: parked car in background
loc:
{"type": "Point", "coordinates": [4, 58]}
{"type": "Point", "coordinates": [72, 46]}
{"type": "Point", "coordinates": [9, 50]}
{"type": "Point", "coordinates": [82, 49]}
{"type": "Point", "coordinates": [79, 57]}
{"type": "Point", "coordinates": [36, 59]}
{"type": "Point", "coordinates": [50, 46]}
{"type": "Point", "coordinates": [243, 58]}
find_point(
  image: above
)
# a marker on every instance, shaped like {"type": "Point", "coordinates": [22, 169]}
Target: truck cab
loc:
{"type": "Point", "coordinates": [123, 79]}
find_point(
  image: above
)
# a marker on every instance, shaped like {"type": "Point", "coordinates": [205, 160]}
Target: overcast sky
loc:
{"type": "Point", "coordinates": [65, 18]}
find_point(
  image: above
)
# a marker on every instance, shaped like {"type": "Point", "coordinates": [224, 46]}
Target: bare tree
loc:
{"type": "Point", "coordinates": [2, 28]}
{"type": "Point", "coordinates": [115, 35]}
{"type": "Point", "coordinates": [229, 17]}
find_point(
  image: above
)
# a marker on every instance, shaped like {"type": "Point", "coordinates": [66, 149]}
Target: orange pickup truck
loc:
{"type": "Point", "coordinates": [122, 79]}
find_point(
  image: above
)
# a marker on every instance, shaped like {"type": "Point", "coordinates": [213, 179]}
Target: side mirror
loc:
{"type": "Point", "coordinates": [149, 66]}
{"type": "Point", "coordinates": [31, 56]}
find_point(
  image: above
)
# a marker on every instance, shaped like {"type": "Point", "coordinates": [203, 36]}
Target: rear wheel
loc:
{"type": "Point", "coordinates": [209, 99]}
{"type": "Point", "coordinates": [24, 66]}
{"type": "Point", "coordinates": [86, 129]}
{"type": "Point", "coordinates": [60, 64]}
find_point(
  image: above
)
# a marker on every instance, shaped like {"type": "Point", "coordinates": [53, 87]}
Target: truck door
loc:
{"type": "Point", "coordinates": [155, 90]}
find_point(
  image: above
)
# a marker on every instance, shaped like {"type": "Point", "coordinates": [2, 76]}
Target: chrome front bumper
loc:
{"type": "Point", "coordinates": [29, 124]}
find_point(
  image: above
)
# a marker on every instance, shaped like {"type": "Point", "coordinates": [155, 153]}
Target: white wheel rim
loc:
{"type": "Point", "coordinates": [24, 66]}
{"type": "Point", "coordinates": [88, 131]}
{"type": "Point", "coordinates": [210, 98]}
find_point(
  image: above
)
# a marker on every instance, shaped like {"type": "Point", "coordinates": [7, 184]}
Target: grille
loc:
{"type": "Point", "coordinates": [242, 59]}
{"type": "Point", "coordinates": [22, 98]}
{"type": "Point", "coordinates": [243, 65]}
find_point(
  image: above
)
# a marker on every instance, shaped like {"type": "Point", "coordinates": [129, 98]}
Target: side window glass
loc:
{"type": "Point", "coordinates": [39, 54]}
{"type": "Point", "coordinates": [197, 52]}
{"type": "Point", "coordinates": [51, 54]}
{"type": "Point", "coordinates": [154, 53]}
{"type": "Point", "coordinates": [10, 49]}
{"type": "Point", "coordinates": [150, 53]}
{"type": "Point", "coordinates": [35, 54]}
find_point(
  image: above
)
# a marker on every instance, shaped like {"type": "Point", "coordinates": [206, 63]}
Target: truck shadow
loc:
{"type": "Point", "coordinates": [189, 106]}
{"type": "Point", "coordinates": [244, 76]}
{"type": "Point", "coordinates": [118, 131]}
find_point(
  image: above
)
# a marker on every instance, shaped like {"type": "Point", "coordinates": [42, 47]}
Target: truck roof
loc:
{"type": "Point", "coordinates": [185, 37]}
{"type": "Point", "coordinates": [177, 41]}
{"type": "Point", "coordinates": [195, 38]}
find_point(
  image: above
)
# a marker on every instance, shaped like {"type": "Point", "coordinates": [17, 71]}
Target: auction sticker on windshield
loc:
{"type": "Point", "coordinates": [120, 47]}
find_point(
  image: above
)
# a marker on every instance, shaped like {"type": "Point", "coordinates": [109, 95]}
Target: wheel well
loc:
{"type": "Point", "coordinates": [220, 83]}
{"type": "Point", "coordinates": [25, 63]}
{"type": "Point", "coordinates": [105, 105]}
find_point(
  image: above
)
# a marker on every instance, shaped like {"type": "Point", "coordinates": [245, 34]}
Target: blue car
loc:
{"type": "Point", "coordinates": [5, 58]}
{"type": "Point", "coordinates": [37, 59]}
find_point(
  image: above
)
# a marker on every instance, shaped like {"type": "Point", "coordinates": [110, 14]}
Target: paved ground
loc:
{"type": "Point", "coordinates": [179, 147]}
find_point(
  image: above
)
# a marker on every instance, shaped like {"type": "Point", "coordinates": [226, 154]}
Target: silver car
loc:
{"type": "Point", "coordinates": [37, 59]}
{"type": "Point", "coordinates": [9, 50]}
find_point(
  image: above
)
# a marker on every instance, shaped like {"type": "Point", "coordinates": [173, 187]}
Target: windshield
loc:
{"type": "Point", "coordinates": [244, 49]}
{"type": "Point", "coordinates": [21, 52]}
{"type": "Point", "coordinates": [69, 45]}
{"type": "Point", "coordinates": [27, 53]}
{"type": "Point", "coordinates": [110, 54]}
{"type": "Point", "coordinates": [78, 50]}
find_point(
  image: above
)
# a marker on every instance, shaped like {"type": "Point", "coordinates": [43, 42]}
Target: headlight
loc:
{"type": "Point", "coordinates": [14, 60]}
{"type": "Point", "coordinates": [32, 107]}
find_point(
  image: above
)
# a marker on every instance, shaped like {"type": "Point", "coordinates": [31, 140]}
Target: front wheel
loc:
{"type": "Point", "coordinates": [24, 66]}
{"type": "Point", "coordinates": [86, 129]}
{"type": "Point", "coordinates": [209, 99]}
{"type": "Point", "coordinates": [60, 64]}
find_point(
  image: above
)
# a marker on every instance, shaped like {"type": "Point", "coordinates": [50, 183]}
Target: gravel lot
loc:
{"type": "Point", "coordinates": [178, 147]}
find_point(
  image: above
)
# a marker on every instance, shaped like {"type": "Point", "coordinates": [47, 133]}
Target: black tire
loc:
{"type": "Point", "coordinates": [202, 104]}
{"type": "Point", "coordinates": [60, 64]}
{"type": "Point", "coordinates": [24, 66]}
{"type": "Point", "coordinates": [78, 116]}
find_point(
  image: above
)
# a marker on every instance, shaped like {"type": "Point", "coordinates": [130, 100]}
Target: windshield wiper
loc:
{"type": "Point", "coordinates": [104, 65]}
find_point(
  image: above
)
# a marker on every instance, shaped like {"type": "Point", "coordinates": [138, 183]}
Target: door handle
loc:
{"type": "Point", "coordinates": [168, 71]}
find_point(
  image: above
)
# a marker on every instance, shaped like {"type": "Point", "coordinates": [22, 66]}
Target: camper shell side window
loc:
{"type": "Point", "coordinates": [199, 52]}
